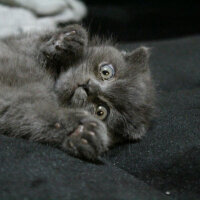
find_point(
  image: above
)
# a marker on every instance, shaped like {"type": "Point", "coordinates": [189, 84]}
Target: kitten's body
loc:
{"type": "Point", "coordinates": [50, 89]}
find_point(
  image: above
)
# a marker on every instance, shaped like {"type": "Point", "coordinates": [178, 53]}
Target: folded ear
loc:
{"type": "Point", "coordinates": [138, 57]}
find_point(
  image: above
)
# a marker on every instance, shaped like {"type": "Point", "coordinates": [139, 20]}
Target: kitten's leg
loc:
{"type": "Point", "coordinates": [55, 50]}
{"type": "Point", "coordinates": [65, 47]}
{"type": "Point", "coordinates": [76, 132]}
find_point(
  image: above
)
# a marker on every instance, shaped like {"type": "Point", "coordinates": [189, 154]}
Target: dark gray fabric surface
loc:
{"type": "Point", "coordinates": [33, 171]}
{"type": "Point", "coordinates": [166, 161]}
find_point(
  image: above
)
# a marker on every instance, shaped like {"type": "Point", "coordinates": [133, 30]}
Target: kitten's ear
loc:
{"type": "Point", "coordinates": [139, 56]}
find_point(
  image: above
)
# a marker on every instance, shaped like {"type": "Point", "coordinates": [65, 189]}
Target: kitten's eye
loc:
{"type": "Point", "coordinates": [106, 70]}
{"type": "Point", "coordinates": [101, 112]}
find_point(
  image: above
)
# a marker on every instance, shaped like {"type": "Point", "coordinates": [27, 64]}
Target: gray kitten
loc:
{"type": "Point", "coordinates": [80, 96]}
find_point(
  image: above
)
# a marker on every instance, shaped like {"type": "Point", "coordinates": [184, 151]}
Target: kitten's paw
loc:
{"type": "Point", "coordinates": [69, 43]}
{"type": "Point", "coordinates": [73, 40]}
{"type": "Point", "coordinates": [88, 140]}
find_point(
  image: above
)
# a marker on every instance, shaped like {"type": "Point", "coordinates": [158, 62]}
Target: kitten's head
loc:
{"type": "Point", "coordinates": [114, 86]}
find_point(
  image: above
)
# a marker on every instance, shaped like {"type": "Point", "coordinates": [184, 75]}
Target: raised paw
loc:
{"type": "Point", "coordinates": [66, 45]}
{"type": "Point", "coordinates": [88, 140]}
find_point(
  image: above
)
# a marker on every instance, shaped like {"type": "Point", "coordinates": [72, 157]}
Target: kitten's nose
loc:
{"type": "Point", "coordinates": [91, 87]}
{"type": "Point", "coordinates": [85, 86]}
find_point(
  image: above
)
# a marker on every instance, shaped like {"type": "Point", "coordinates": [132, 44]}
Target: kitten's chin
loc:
{"type": "Point", "coordinates": [79, 98]}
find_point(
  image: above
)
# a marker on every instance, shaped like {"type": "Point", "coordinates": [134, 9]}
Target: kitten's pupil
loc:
{"type": "Point", "coordinates": [106, 72]}
{"type": "Point", "coordinates": [100, 113]}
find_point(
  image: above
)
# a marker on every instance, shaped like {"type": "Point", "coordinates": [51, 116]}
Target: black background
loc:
{"type": "Point", "coordinates": [142, 19]}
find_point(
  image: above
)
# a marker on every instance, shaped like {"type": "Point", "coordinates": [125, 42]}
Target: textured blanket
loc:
{"type": "Point", "coordinates": [164, 165]}
{"type": "Point", "coordinates": [19, 16]}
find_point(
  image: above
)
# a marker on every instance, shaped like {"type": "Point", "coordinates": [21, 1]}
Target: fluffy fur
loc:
{"type": "Point", "coordinates": [51, 88]}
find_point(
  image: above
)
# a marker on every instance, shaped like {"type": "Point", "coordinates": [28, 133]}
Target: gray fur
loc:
{"type": "Point", "coordinates": [50, 87]}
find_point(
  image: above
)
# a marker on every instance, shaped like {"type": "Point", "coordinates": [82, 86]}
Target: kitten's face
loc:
{"type": "Point", "coordinates": [114, 87]}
